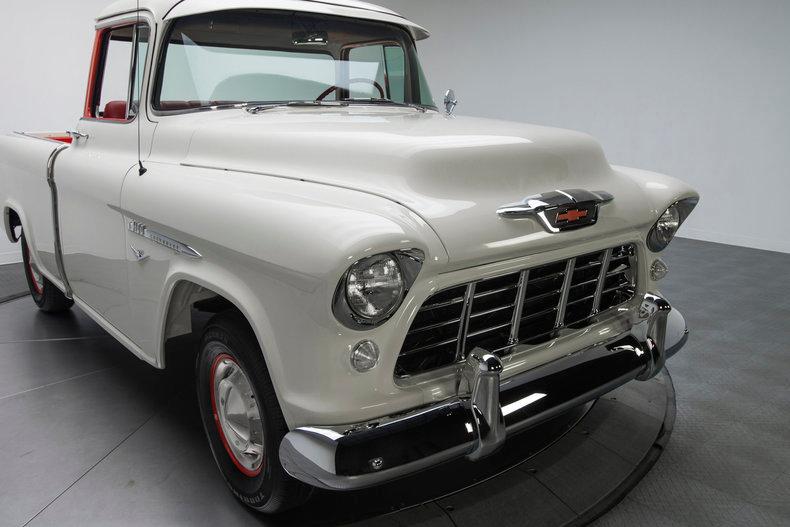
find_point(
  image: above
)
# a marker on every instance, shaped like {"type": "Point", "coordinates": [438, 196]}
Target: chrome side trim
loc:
{"type": "Point", "coordinates": [56, 219]}
{"type": "Point", "coordinates": [181, 248]}
{"type": "Point", "coordinates": [40, 138]}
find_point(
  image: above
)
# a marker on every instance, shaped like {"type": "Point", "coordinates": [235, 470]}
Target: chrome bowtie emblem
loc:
{"type": "Point", "coordinates": [572, 215]}
{"type": "Point", "coordinates": [559, 210]}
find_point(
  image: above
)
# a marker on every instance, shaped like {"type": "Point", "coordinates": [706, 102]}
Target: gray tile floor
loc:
{"type": "Point", "coordinates": [12, 281]}
{"type": "Point", "coordinates": [727, 463]}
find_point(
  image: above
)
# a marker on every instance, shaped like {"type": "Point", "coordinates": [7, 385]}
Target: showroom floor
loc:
{"type": "Point", "coordinates": [727, 462]}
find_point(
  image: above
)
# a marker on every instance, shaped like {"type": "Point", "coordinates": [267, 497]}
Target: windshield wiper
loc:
{"type": "Point", "coordinates": [390, 102]}
{"type": "Point", "coordinates": [258, 108]}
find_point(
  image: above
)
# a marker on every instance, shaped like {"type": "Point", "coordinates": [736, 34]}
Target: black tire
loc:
{"type": "Point", "coordinates": [271, 490]}
{"type": "Point", "coordinates": [46, 295]}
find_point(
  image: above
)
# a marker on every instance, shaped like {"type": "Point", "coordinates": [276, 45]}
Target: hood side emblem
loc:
{"type": "Point", "coordinates": [559, 210]}
{"type": "Point", "coordinates": [142, 230]}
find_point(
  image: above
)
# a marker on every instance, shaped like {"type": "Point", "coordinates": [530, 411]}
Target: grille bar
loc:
{"type": "Point", "coordinates": [437, 325]}
{"type": "Point", "coordinates": [440, 305]}
{"type": "Point", "coordinates": [526, 307]}
{"type": "Point", "coordinates": [494, 292]}
{"type": "Point", "coordinates": [463, 327]}
{"type": "Point", "coordinates": [515, 324]}
{"type": "Point", "coordinates": [607, 260]}
{"type": "Point", "coordinates": [566, 290]}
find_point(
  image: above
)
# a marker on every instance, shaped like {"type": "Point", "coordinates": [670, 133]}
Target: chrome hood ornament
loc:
{"type": "Point", "coordinates": [559, 210]}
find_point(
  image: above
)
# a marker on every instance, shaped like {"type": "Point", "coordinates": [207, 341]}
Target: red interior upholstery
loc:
{"type": "Point", "coordinates": [115, 110]}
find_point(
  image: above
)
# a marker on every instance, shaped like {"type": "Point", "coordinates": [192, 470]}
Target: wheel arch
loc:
{"type": "Point", "coordinates": [184, 288]}
{"type": "Point", "coordinates": [12, 220]}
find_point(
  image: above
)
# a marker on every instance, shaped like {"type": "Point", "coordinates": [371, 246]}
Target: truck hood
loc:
{"type": "Point", "coordinates": [454, 172]}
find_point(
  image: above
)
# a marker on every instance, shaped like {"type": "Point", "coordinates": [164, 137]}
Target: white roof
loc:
{"type": "Point", "coordinates": [169, 9]}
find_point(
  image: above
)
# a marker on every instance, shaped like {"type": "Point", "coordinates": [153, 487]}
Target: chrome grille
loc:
{"type": "Point", "coordinates": [527, 307]}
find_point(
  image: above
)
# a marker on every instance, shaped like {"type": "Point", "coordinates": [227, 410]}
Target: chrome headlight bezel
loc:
{"type": "Point", "coordinates": [409, 262]}
{"type": "Point", "coordinates": [666, 227]}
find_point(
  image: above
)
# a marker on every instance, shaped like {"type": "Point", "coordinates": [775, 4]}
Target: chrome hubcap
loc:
{"type": "Point", "coordinates": [236, 413]}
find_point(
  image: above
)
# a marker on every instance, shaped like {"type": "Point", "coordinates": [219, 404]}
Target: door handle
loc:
{"type": "Point", "coordinates": [77, 135]}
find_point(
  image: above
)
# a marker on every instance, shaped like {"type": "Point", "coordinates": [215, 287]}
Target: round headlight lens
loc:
{"type": "Point", "coordinates": [375, 287]}
{"type": "Point", "coordinates": [665, 229]}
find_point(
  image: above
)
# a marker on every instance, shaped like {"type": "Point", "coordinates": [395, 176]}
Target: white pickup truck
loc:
{"type": "Point", "coordinates": [393, 286]}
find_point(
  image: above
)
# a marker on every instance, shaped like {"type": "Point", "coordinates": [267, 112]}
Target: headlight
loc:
{"type": "Point", "coordinates": [663, 232]}
{"type": "Point", "coordinates": [374, 288]}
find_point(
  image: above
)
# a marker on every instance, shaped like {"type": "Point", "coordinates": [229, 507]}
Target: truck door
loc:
{"type": "Point", "coordinates": [90, 174]}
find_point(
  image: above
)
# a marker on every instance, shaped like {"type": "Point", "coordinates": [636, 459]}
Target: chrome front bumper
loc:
{"type": "Point", "coordinates": [477, 421]}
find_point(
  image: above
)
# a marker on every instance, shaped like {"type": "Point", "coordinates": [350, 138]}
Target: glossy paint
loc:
{"type": "Point", "coordinates": [280, 204]}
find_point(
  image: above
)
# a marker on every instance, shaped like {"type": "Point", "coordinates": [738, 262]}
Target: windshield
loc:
{"type": "Point", "coordinates": [260, 57]}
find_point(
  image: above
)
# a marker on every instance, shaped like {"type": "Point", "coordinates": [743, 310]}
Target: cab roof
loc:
{"type": "Point", "coordinates": [164, 10]}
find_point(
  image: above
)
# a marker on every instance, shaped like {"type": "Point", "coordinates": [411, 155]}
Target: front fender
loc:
{"type": "Point", "coordinates": [660, 191]}
{"type": "Point", "coordinates": [276, 248]}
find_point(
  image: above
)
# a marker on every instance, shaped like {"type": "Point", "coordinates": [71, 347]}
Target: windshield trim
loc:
{"type": "Point", "coordinates": [298, 105]}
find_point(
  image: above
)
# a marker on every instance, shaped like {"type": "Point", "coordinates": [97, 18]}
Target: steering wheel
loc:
{"type": "Point", "coordinates": [332, 89]}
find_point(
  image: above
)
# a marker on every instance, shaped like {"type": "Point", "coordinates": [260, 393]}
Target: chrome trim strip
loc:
{"type": "Point", "coordinates": [181, 248]}
{"type": "Point", "coordinates": [566, 291]}
{"type": "Point", "coordinates": [463, 329]}
{"type": "Point", "coordinates": [34, 136]}
{"type": "Point", "coordinates": [56, 219]}
{"type": "Point", "coordinates": [133, 73]}
{"type": "Point", "coordinates": [605, 262]}
{"type": "Point", "coordinates": [521, 292]}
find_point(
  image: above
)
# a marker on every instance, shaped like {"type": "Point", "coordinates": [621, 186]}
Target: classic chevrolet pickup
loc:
{"type": "Point", "coordinates": [392, 286]}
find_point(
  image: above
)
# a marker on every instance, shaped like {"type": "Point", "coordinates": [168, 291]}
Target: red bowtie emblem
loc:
{"type": "Point", "coordinates": [572, 215]}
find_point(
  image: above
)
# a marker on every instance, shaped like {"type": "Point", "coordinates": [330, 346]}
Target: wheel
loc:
{"type": "Point", "coordinates": [242, 418]}
{"type": "Point", "coordinates": [45, 294]}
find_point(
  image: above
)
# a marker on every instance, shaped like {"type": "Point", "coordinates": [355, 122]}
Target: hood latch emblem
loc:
{"type": "Point", "coordinates": [559, 210]}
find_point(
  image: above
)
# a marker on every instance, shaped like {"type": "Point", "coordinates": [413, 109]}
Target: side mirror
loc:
{"type": "Point", "coordinates": [450, 102]}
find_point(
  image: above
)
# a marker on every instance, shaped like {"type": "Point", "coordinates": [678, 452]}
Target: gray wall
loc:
{"type": "Point", "coordinates": [46, 46]}
{"type": "Point", "coordinates": [698, 89]}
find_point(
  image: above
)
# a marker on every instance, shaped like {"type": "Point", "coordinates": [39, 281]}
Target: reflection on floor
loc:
{"type": "Point", "coordinates": [91, 436]}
